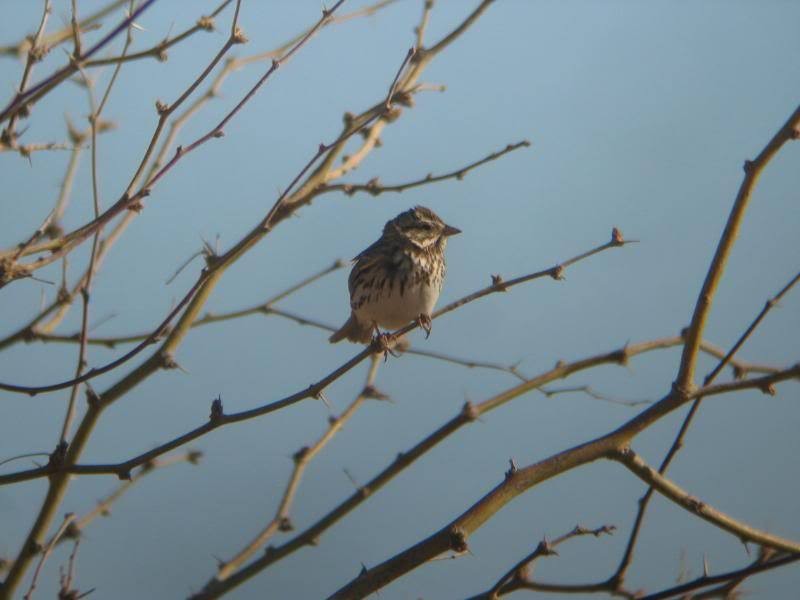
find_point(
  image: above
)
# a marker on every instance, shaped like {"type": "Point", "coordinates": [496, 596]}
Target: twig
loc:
{"type": "Point", "coordinates": [726, 359]}
{"type": "Point", "coordinates": [302, 457]}
{"type": "Point", "coordinates": [66, 33]}
{"type": "Point", "coordinates": [614, 445]}
{"type": "Point", "coordinates": [374, 186]}
{"type": "Point", "coordinates": [467, 415]}
{"type": "Point", "coordinates": [218, 418]}
{"type": "Point", "coordinates": [94, 117]}
{"type": "Point", "coordinates": [31, 95]}
{"type": "Point", "coordinates": [68, 518]}
{"type": "Point", "coordinates": [753, 170]}
{"type": "Point", "coordinates": [544, 548]}
{"type": "Point", "coordinates": [419, 30]}
{"type": "Point", "coordinates": [759, 566]}
{"type": "Point", "coordinates": [670, 490]}
{"type": "Point", "coordinates": [103, 506]}
{"type": "Point", "coordinates": [589, 391]}
{"type": "Point", "coordinates": [159, 51]}
{"type": "Point", "coordinates": [129, 199]}
{"type": "Point", "coordinates": [35, 53]}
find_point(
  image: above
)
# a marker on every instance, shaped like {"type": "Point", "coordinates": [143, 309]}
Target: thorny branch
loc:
{"type": "Point", "coordinates": [59, 307]}
{"type": "Point", "coordinates": [218, 418]}
{"type": "Point", "coordinates": [725, 359]}
{"type": "Point", "coordinates": [281, 521]}
{"type": "Point", "coordinates": [521, 571]}
{"type": "Point", "coordinates": [613, 446]}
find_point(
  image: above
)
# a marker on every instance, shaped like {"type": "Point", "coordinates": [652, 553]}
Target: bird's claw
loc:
{"type": "Point", "coordinates": [384, 343]}
{"type": "Point", "coordinates": [424, 321]}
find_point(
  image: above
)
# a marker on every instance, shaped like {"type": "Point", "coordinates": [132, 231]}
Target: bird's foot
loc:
{"type": "Point", "coordinates": [384, 343]}
{"type": "Point", "coordinates": [424, 321]}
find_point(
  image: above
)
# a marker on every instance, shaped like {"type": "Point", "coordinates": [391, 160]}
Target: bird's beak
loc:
{"type": "Point", "coordinates": [448, 231]}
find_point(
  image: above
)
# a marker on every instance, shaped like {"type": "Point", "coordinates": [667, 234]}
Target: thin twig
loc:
{"type": "Point", "coordinates": [94, 118]}
{"type": "Point", "coordinates": [281, 521]}
{"type": "Point", "coordinates": [753, 170]}
{"type": "Point", "coordinates": [544, 548]}
{"type": "Point", "coordinates": [375, 187]}
{"type": "Point", "coordinates": [35, 53]}
{"type": "Point", "coordinates": [68, 518]}
{"type": "Point", "coordinates": [34, 93]}
{"type": "Point", "coordinates": [677, 444]}
{"type": "Point", "coordinates": [219, 419]}
{"type": "Point", "coordinates": [758, 566]}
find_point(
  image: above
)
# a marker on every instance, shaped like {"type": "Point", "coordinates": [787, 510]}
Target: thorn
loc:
{"type": "Point", "coordinates": [320, 395]}
{"type": "Point", "coordinates": [512, 468]}
{"type": "Point", "coordinates": [216, 410]}
{"type": "Point", "coordinates": [497, 281]}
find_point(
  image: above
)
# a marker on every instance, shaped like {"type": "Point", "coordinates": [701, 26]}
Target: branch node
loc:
{"type": "Point", "coordinates": [216, 414]}
{"type": "Point", "coordinates": [285, 524]}
{"type": "Point", "coordinates": [458, 540]}
{"type": "Point", "coordinates": [298, 456]}
{"type": "Point", "coordinates": [499, 283]}
{"type": "Point", "coordinates": [206, 23]}
{"type": "Point", "coordinates": [162, 108]}
{"type": "Point", "coordinates": [680, 393]}
{"type": "Point", "coordinates": [167, 361]}
{"type": "Point", "coordinates": [238, 37]}
{"type": "Point", "coordinates": [57, 456]}
{"type": "Point", "coordinates": [370, 391]}
{"type": "Point", "coordinates": [557, 273]}
{"type": "Point", "coordinates": [768, 389]}
{"type": "Point", "coordinates": [93, 399]}
{"type": "Point", "coordinates": [616, 237]}
{"type": "Point", "coordinates": [512, 468]}
{"type": "Point", "coordinates": [622, 356]}
{"type": "Point", "coordinates": [695, 505]}
{"type": "Point", "coordinates": [469, 412]}
{"type": "Point", "coordinates": [748, 167]}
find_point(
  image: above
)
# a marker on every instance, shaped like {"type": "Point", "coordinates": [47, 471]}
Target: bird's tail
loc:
{"type": "Point", "coordinates": [353, 330]}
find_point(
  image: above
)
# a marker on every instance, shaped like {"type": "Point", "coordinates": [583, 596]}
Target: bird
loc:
{"type": "Point", "coordinates": [397, 279]}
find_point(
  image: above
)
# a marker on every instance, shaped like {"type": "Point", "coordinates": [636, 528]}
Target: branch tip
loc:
{"type": "Point", "coordinates": [216, 413]}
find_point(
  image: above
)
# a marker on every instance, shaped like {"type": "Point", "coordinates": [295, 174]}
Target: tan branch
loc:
{"type": "Point", "coordinates": [753, 170]}
{"type": "Point", "coordinates": [681, 497]}
{"type": "Point", "coordinates": [281, 520]}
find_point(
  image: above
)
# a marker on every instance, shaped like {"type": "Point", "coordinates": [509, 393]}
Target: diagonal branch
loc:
{"type": "Point", "coordinates": [545, 548]}
{"type": "Point", "coordinates": [725, 359]}
{"type": "Point", "coordinates": [23, 99]}
{"type": "Point", "coordinates": [681, 497]}
{"type": "Point", "coordinates": [219, 419]}
{"type": "Point", "coordinates": [281, 520]}
{"type": "Point", "coordinates": [374, 186]}
{"type": "Point", "coordinates": [752, 170]}
{"type": "Point", "coordinates": [453, 536]}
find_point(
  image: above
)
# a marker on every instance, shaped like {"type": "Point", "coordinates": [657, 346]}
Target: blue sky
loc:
{"type": "Point", "coordinates": [640, 115]}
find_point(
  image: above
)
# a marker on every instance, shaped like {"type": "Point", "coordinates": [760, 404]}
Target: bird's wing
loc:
{"type": "Point", "coordinates": [362, 263]}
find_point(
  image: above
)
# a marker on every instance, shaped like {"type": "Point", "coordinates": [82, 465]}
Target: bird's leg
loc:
{"type": "Point", "coordinates": [383, 342]}
{"type": "Point", "coordinates": [424, 321]}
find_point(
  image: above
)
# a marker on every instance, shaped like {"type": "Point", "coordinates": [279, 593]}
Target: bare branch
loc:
{"type": "Point", "coordinates": [374, 187]}
{"type": "Point", "coordinates": [753, 170]}
{"type": "Point", "coordinates": [544, 548]}
{"type": "Point", "coordinates": [682, 498]}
